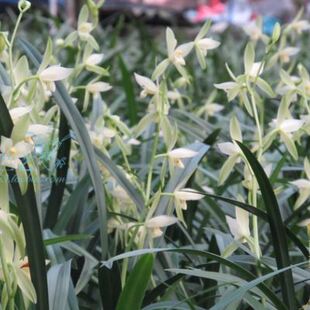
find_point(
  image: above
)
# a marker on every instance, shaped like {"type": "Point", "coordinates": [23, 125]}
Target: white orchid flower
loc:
{"type": "Point", "coordinates": [256, 70]}
{"type": "Point", "coordinates": [213, 108]}
{"type": "Point", "coordinates": [178, 154]}
{"type": "Point", "coordinates": [286, 53]}
{"type": "Point", "coordinates": [239, 226]}
{"type": "Point", "coordinates": [206, 44]}
{"type": "Point", "coordinates": [156, 223]}
{"type": "Point", "coordinates": [300, 26]}
{"type": "Point", "coordinates": [11, 153]}
{"type": "Point", "coordinates": [50, 75]}
{"type": "Point", "coordinates": [186, 194]}
{"type": "Point", "coordinates": [98, 87]}
{"type": "Point", "coordinates": [287, 125]}
{"type": "Point", "coordinates": [286, 128]}
{"type": "Point", "coordinates": [147, 85]}
{"type": "Point", "coordinates": [229, 148]}
{"type": "Point", "coordinates": [173, 95]}
{"type": "Point", "coordinates": [232, 89]}
{"type": "Point", "coordinates": [100, 135]}
{"type": "Point", "coordinates": [84, 30]}
{"type": "Point", "coordinates": [254, 31]}
{"type": "Point", "coordinates": [176, 54]}
{"type": "Point", "coordinates": [304, 223]}
{"type": "Point", "coordinates": [132, 141]}
{"type": "Point", "coordinates": [303, 185]}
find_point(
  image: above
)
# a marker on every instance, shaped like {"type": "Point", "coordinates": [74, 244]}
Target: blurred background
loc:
{"type": "Point", "coordinates": [237, 12]}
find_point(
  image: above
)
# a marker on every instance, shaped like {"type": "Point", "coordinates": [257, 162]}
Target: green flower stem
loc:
{"type": "Point", "coordinates": [151, 166]}
{"type": "Point", "coordinates": [20, 16]}
{"type": "Point", "coordinates": [254, 188]}
{"type": "Point", "coordinates": [6, 275]}
{"type": "Point", "coordinates": [19, 86]}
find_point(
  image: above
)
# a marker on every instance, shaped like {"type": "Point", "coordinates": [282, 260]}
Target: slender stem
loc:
{"type": "Point", "coordinates": [18, 87]}
{"type": "Point", "coordinates": [6, 277]}
{"type": "Point", "coordinates": [151, 166]}
{"type": "Point", "coordinates": [254, 187]}
{"type": "Point", "coordinates": [11, 47]}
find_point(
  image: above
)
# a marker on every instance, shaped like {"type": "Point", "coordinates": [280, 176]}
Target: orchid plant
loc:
{"type": "Point", "coordinates": [202, 165]}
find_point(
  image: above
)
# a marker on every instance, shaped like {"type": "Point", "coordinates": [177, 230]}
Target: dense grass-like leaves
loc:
{"type": "Point", "coordinates": [243, 273]}
{"type": "Point", "coordinates": [27, 208]}
{"type": "Point", "coordinates": [278, 233]}
{"type": "Point", "coordinates": [136, 284]}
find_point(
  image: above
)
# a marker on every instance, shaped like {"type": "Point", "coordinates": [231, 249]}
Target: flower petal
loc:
{"type": "Point", "coordinates": [98, 87]}
{"type": "Point", "coordinates": [55, 73]}
{"type": "Point", "coordinates": [291, 125]}
{"type": "Point", "coordinates": [161, 221]}
{"type": "Point", "coordinates": [301, 183]}
{"type": "Point", "coordinates": [94, 59]}
{"type": "Point", "coordinates": [228, 148]}
{"type": "Point", "coordinates": [146, 83]}
{"type": "Point", "coordinates": [188, 194]}
{"type": "Point", "coordinates": [182, 153]}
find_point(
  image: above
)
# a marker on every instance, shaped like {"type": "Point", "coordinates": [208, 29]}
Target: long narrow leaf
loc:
{"type": "Point", "coordinates": [136, 284]}
{"type": "Point", "coordinates": [278, 233]}
{"type": "Point", "coordinates": [62, 166]}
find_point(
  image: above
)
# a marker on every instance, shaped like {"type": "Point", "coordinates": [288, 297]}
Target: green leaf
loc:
{"type": "Point", "coordinates": [278, 233]}
{"type": "Point", "coordinates": [136, 284]}
{"type": "Point", "coordinates": [159, 290]}
{"type": "Point", "coordinates": [62, 166]}
{"type": "Point", "coordinates": [245, 274]}
{"type": "Point", "coordinates": [66, 238]}
{"type": "Point", "coordinates": [238, 294]}
{"type": "Point", "coordinates": [58, 285]}
{"type": "Point", "coordinates": [129, 91]}
{"type": "Point", "coordinates": [261, 214]}
{"type": "Point", "coordinates": [77, 198]}
{"type": "Point", "coordinates": [109, 286]}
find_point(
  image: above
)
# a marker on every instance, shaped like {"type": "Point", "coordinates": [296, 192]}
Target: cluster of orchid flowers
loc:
{"type": "Point", "coordinates": [156, 89]}
{"type": "Point", "coordinates": [247, 88]}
